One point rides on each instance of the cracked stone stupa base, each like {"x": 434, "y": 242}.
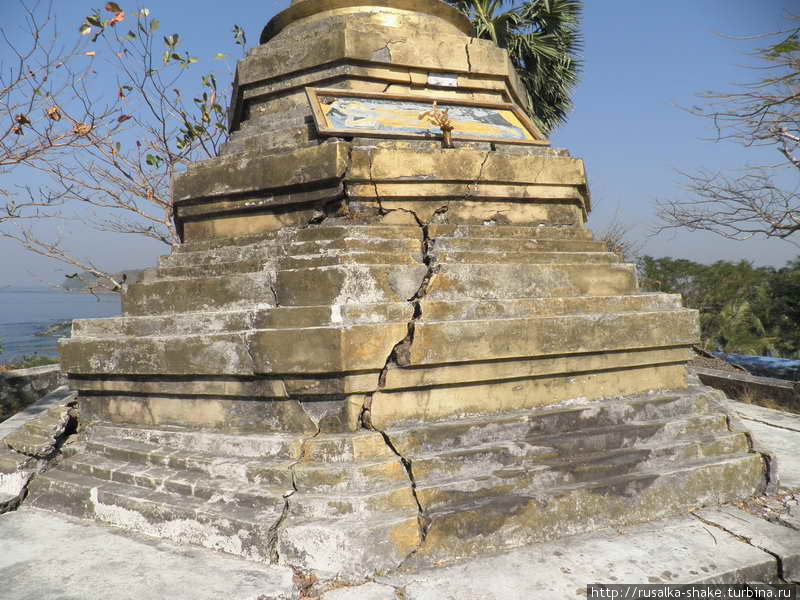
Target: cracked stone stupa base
{"x": 372, "y": 353}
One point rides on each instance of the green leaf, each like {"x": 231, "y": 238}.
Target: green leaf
{"x": 131, "y": 35}
{"x": 220, "y": 56}
{"x": 145, "y": 12}
{"x": 154, "y": 25}
{"x": 193, "y": 59}
{"x": 94, "y": 20}
{"x": 85, "y": 29}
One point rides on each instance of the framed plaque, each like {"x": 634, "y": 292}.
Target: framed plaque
{"x": 344, "y": 113}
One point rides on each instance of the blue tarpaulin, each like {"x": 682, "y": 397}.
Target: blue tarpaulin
{"x": 765, "y": 366}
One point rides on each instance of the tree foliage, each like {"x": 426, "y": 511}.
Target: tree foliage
{"x": 543, "y": 39}
{"x": 760, "y": 199}
{"x": 743, "y": 309}
{"x": 106, "y": 151}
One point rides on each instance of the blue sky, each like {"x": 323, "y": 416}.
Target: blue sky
{"x": 643, "y": 60}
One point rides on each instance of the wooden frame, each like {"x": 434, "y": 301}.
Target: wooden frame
{"x": 418, "y": 103}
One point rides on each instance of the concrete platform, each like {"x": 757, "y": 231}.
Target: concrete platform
{"x": 45, "y": 556}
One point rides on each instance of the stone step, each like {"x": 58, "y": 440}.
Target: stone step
{"x": 321, "y": 448}
{"x": 195, "y": 323}
{"x": 352, "y": 232}
{"x": 277, "y": 446}
{"x": 631, "y": 434}
{"x": 272, "y": 252}
{"x": 328, "y": 232}
{"x": 351, "y": 545}
{"x": 217, "y": 525}
{"x": 220, "y": 488}
{"x": 242, "y": 470}
{"x": 510, "y": 308}
{"x": 506, "y": 257}
{"x": 207, "y": 270}
{"x": 480, "y": 525}
{"x": 553, "y": 451}
{"x": 500, "y": 281}
{"x": 350, "y": 258}
{"x": 615, "y": 339}
{"x": 543, "y": 424}
{"x": 241, "y": 320}
{"x": 218, "y": 269}
{"x": 200, "y": 294}
{"x": 540, "y": 232}
{"x": 436, "y": 490}
{"x": 313, "y": 233}
{"x": 475, "y": 244}
{"x": 355, "y": 490}
{"x": 447, "y": 342}
{"x": 362, "y": 475}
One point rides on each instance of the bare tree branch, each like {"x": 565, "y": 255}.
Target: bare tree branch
{"x": 106, "y": 152}
{"x": 765, "y": 113}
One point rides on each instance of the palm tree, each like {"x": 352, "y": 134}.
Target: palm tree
{"x": 740, "y": 330}
{"x": 543, "y": 39}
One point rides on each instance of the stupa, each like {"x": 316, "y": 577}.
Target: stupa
{"x": 374, "y": 351}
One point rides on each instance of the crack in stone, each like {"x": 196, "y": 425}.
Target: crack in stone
{"x": 274, "y": 530}
{"x": 744, "y": 418}
{"x": 469, "y": 58}
{"x": 399, "y": 355}
{"x": 381, "y": 210}
{"x": 274, "y": 291}
{"x": 388, "y": 47}
{"x": 480, "y": 173}
{"x": 35, "y": 465}
{"x": 746, "y": 540}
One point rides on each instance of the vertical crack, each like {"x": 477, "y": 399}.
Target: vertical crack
{"x": 480, "y": 172}
{"x": 275, "y": 529}
{"x": 399, "y": 355}
{"x": 469, "y": 58}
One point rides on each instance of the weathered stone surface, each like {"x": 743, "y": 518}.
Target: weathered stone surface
{"x": 31, "y": 442}
{"x": 392, "y": 408}
{"x": 373, "y": 353}
{"x": 782, "y": 542}
{"x": 678, "y": 550}
{"x": 368, "y": 591}
{"x": 57, "y": 557}
{"x": 228, "y": 176}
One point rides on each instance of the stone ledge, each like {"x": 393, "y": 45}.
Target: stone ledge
{"x": 22, "y": 387}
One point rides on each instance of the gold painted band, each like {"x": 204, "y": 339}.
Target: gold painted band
{"x": 308, "y": 8}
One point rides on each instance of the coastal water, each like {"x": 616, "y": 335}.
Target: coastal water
{"x": 24, "y": 312}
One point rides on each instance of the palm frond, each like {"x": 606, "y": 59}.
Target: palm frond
{"x": 543, "y": 39}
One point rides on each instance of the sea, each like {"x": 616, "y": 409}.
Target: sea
{"x": 26, "y": 311}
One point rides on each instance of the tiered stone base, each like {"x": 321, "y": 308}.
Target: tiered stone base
{"x": 355, "y": 504}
